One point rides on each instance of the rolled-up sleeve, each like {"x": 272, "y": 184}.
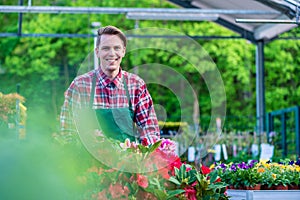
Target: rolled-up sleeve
{"x": 145, "y": 116}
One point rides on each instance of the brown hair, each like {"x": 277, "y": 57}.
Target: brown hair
{"x": 111, "y": 30}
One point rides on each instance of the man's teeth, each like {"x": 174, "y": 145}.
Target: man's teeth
{"x": 112, "y": 59}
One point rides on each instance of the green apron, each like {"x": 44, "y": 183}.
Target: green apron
{"x": 115, "y": 123}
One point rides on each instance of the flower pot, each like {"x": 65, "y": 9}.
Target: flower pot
{"x": 256, "y": 187}
{"x": 281, "y": 187}
{"x": 293, "y": 187}
{"x": 265, "y": 187}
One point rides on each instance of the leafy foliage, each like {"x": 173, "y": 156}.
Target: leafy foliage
{"x": 46, "y": 66}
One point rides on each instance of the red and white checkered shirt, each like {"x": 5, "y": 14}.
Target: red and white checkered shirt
{"x": 111, "y": 94}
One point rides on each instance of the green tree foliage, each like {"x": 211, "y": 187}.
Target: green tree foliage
{"x": 46, "y": 66}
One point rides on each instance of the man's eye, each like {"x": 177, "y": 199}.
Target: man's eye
{"x": 105, "y": 48}
{"x": 117, "y": 48}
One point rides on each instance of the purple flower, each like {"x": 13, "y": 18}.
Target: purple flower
{"x": 272, "y": 134}
{"x": 291, "y": 162}
{"x": 254, "y": 161}
{"x": 233, "y": 167}
{"x": 251, "y": 164}
{"x": 242, "y": 165}
{"x": 223, "y": 166}
{"x": 298, "y": 162}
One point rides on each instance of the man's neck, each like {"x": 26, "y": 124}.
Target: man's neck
{"x": 111, "y": 75}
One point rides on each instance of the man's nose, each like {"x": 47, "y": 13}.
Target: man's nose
{"x": 111, "y": 51}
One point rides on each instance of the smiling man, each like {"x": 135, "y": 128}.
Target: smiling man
{"x": 120, "y": 99}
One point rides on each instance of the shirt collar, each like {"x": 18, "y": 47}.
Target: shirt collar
{"x": 103, "y": 79}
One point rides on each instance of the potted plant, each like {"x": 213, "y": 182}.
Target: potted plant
{"x": 172, "y": 180}
{"x": 240, "y": 175}
{"x": 203, "y": 184}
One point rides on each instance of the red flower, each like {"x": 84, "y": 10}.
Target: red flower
{"x": 145, "y": 142}
{"x": 142, "y": 181}
{"x": 218, "y": 180}
{"x": 205, "y": 170}
{"x": 174, "y": 162}
{"x": 190, "y": 193}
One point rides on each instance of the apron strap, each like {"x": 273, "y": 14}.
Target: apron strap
{"x": 93, "y": 90}
{"x": 127, "y": 94}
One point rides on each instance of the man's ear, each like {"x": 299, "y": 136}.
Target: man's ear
{"x": 97, "y": 52}
{"x": 124, "y": 51}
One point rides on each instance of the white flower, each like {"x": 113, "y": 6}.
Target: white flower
{"x": 126, "y": 144}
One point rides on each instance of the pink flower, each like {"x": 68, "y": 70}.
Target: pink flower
{"x": 118, "y": 191}
{"x": 102, "y": 195}
{"x": 145, "y": 195}
{"x": 190, "y": 193}
{"x": 164, "y": 172}
{"x": 142, "y": 181}
{"x": 168, "y": 147}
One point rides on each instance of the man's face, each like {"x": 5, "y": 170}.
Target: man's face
{"x": 111, "y": 50}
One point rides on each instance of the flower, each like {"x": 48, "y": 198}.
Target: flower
{"x": 142, "y": 181}
{"x": 266, "y": 173}
{"x": 168, "y": 178}
{"x": 205, "y": 170}
{"x": 118, "y": 191}
{"x": 190, "y": 183}
{"x": 190, "y": 193}
{"x": 240, "y": 175}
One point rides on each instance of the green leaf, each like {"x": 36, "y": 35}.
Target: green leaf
{"x": 160, "y": 194}
{"x": 143, "y": 149}
{"x": 173, "y": 193}
{"x": 174, "y": 180}
{"x": 155, "y": 146}
{"x": 213, "y": 176}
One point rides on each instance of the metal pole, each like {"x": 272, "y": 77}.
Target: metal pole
{"x": 260, "y": 89}
{"x": 95, "y": 26}
{"x": 283, "y": 134}
{"x": 111, "y": 10}
{"x": 20, "y": 20}
{"x": 17, "y": 117}
{"x": 297, "y": 130}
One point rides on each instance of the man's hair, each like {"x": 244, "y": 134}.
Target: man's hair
{"x": 111, "y": 30}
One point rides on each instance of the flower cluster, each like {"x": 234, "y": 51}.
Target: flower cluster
{"x": 192, "y": 184}
{"x": 267, "y": 174}
{"x": 8, "y": 109}
{"x": 158, "y": 174}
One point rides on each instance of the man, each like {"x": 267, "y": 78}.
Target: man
{"x": 119, "y": 98}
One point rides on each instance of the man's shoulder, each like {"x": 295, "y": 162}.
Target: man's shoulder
{"x": 133, "y": 78}
{"x": 84, "y": 77}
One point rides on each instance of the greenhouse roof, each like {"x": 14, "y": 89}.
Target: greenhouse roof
{"x": 276, "y": 17}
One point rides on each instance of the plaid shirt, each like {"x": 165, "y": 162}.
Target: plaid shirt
{"x": 111, "y": 94}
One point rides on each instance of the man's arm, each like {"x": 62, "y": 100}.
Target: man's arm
{"x": 67, "y": 125}
{"x": 146, "y": 118}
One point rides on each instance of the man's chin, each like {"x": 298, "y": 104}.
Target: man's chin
{"x": 113, "y": 68}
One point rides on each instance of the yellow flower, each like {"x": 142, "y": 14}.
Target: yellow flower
{"x": 211, "y": 151}
{"x": 260, "y": 170}
{"x": 274, "y": 176}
